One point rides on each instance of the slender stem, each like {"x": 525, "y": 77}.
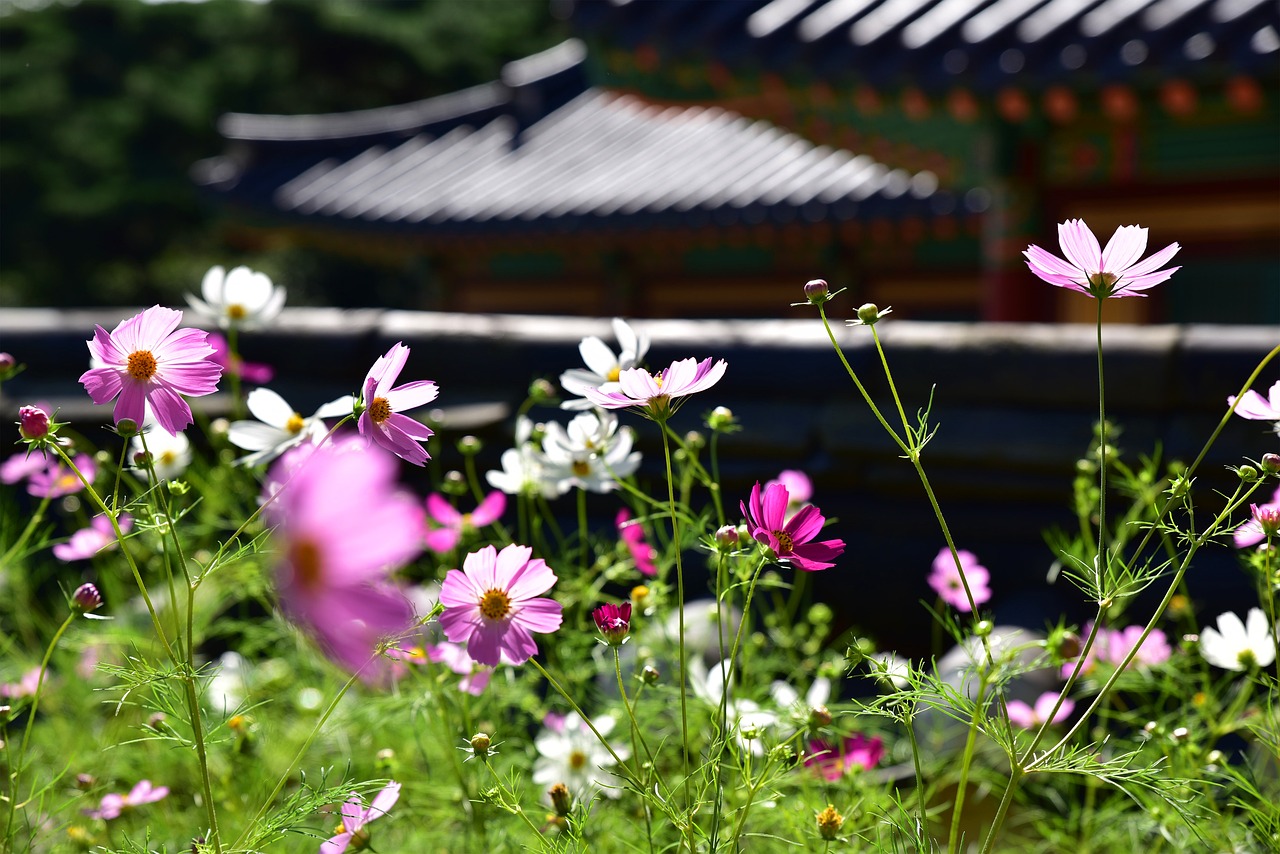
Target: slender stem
{"x": 583, "y": 550}
{"x": 714, "y": 455}
{"x": 857, "y": 382}
{"x": 923, "y": 821}
{"x": 1102, "y": 562}
{"x": 684, "y": 699}
{"x": 966, "y": 762}
{"x": 635, "y": 742}
{"x": 36, "y": 518}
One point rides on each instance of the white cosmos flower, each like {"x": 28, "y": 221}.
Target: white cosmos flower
{"x": 524, "y": 468}
{"x": 603, "y": 365}
{"x": 570, "y": 753}
{"x": 1235, "y": 645}
{"x": 169, "y": 454}
{"x": 593, "y": 454}
{"x": 747, "y": 720}
{"x": 242, "y": 298}
{"x": 279, "y": 427}
{"x": 788, "y": 697}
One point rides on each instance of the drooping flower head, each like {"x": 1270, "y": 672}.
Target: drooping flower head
{"x": 643, "y": 555}
{"x": 945, "y": 579}
{"x": 1111, "y": 272}
{"x": 113, "y": 805}
{"x": 242, "y": 298}
{"x": 1264, "y": 522}
{"x": 1239, "y": 645}
{"x": 570, "y": 753}
{"x": 355, "y": 816}
{"x": 383, "y": 419}
{"x": 87, "y": 542}
{"x": 343, "y": 526}
{"x": 603, "y": 366}
{"x": 1027, "y": 717}
{"x": 450, "y": 523}
{"x": 657, "y": 396}
{"x": 790, "y": 540}
{"x": 494, "y": 604}
{"x": 855, "y": 752}
{"x": 150, "y": 363}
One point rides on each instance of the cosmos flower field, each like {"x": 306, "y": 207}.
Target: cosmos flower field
{"x": 252, "y": 634}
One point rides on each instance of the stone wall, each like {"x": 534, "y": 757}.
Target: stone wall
{"x": 1013, "y": 403}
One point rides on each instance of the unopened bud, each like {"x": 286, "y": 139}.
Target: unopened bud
{"x": 983, "y": 628}
{"x": 721, "y": 418}
{"x": 1247, "y": 473}
{"x": 480, "y": 743}
{"x": 695, "y": 440}
{"x": 33, "y": 422}
{"x": 157, "y": 721}
{"x": 87, "y": 598}
{"x": 817, "y": 291}
{"x": 454, "y": 483}
{"x": 541, "y": 391}
{"x": 819, "y": 716}
{"x": 727, "y": 538}
{"x": 650, "y": 675}
{"x": 561, "y": 800}
{"x": 7, "y": 363}
{"x": 869, "y": 314}
{"x": 84, "y": 782}
{"x": 127, "y": 428}
{"x": 469, "y": 446}
{"x": 1271, "y": 463}
{"x": 829, "y": 822}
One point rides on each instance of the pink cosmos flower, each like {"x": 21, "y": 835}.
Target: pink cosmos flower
{"x": 614, "y": 622}
{"x": 945, "y": 579}
{"x": 475, "y": 676}
{"x": 87, "y": 542}
{"x": 854, "y": 752}
{"x": 113, "y": 805}
{"x": 492, "y": 605}
{"x": 26, "y": 686}
{"x": 656, "y": 394}
{"x": 22, "y": 465}
{"x": 382, "y": 421}
{"x": 1027, "y": 717}
{"x": 344, "y": 526}
{"x": 250, "y": 372}
{"x": 1264, "y": 520}
{"x": 643, "y": 555}
{"x": 790, "y": 540}
{"x": 1112, "y": 645}
{"x": 452, "y": 523}
{"x": 150, "y": 362}
{"x": 1255, "y": 407}
{"x": 355, "y": 816}
{"x": 57, "y": 479}
{"x": 1111, "y": 272}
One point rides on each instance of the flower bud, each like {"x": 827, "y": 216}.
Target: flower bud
{"x": 614, "y": 622}
{"x": 141, "y": 458}
{"x": 650, "y": 675}
{"x": 983, "y": 628}
{"x": 542, "y": 391}
{"x": 87, "y": 598}
{"x": 869, "y": 314}
{"x": 829, "y": 822}
{"x": 721, "y": 419}
{"x": 454, "y": 483}
{"x": 158, "y": 721}
{"x": 7, "y": 363}
{"x": 819, "y": 716}
{"x": 727, "y": 538}
{"x": 469, "y": 446}
{"x": 1247, "y": 473}
{"x": 817, "y": 291}
{"x": 561, "y": 800}
{"x": 33, "y": 422}
{"x": 126, "y": 428}
{"x": 1271, "y": 463}
{"x": 480, "y": 743}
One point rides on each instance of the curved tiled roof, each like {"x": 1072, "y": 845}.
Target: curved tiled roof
{"x": 942, "y": 43}
{"x": 540, "y": 148}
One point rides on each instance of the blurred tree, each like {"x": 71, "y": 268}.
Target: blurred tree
{"x": 105, "y": 104}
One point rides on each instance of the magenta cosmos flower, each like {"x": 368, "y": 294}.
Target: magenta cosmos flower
{"x": 1111, "y": 272}
{"x": 355, "y": 815}
{"x": 452, "y": 523}
{"x": 945, "y": 579}
{"x": 1264, "y": 522}
{"x": 854, "y": 752}
{"x": 113, "y": 805}
{"x": 382, "y": 420}
{"x": 643, "y": 555}
{"x": 1026, "y": 717}
{"x": 343, "y": 526}
{"x": 613, "y": 621}
{"x": 790, "y": 540}
{"x": 656, "y": 394}
{"x": 149, "y": 361}
{"x": 492, "y": 605}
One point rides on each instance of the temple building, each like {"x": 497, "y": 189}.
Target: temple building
{"x": 706, "y": 157}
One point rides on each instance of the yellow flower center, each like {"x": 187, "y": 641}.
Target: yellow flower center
{"x": 304, "y": 556}
{"x": 236, "y": 311}
{"x": 785, "y": 542}
{"x": 168, "y": 458}
{"x": 379, "y": 410}
{"x": 577, "y": 760}
{"x": 581, "y": 468}
{"x": 613, "y": 374}
{"x": 142, "y": 365}
{"x": 295, "y": 424}
{"x": 495, "y": 604}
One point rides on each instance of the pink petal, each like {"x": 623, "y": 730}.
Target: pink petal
{"x": 1042, "y": 262}
{"x": 677, "y": 378}
{"x": 441, "y": 540}
{"x": 460, "y": 589}
{"x": 489, "y": 510}
{"x": 391, "y": 368}
{"x": 336, "y": 845}
{"x": 1124, "y": 248}
{"x": 540, "y": 615}
{"x": 170, "y": 410}
{"x": 459, "y": 623}
{"x": 353, "y": 813}
{"x": 487, "y": 641}
{"x": 636, "y": 384}
{"x": 518, "y": 644}
{"x": 133, "y": 403}
{"x": 147, "y": 330}
{"x": 104, "y": 348}
{"x": 1080, "y": 246}
{"x": 384, "y": 801}
{"x": 412, "y": 395}
{"x": 774, "y": 507}
{"x": 806, "y": 524}
{"x": 481, "y": 568}
{"x": 533, "y": 579}
{"x": 1145, "y": 267}
{"x": 442, "y": 511}
{"x": 510, "y": 563}
{"x": 102, "y": 384}
{"x": 812, "y": 557}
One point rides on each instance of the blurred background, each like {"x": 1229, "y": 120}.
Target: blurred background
{"x": 646, "y": 158}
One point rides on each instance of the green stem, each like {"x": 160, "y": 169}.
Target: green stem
{"x": 635, "y": 743}
{"x": 922, "y": 826}
{"x": 966, "y": 762}
{"x": 684, "y": 698}
{"x": 583, "y": 545}
{"x": 36, "y": 518}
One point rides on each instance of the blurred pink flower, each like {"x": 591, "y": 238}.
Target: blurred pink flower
{"x": 643, "y": 555}
{"x": 1112, "y": 645}
{"x": 475, "y": 676}
{"x": 355, "y": 816}
{"x": 1263, "y": 518}
{"x": 1022, "y": 715}
{"x": 26, "y": 685}
{"x": 22, "y": 465}
{"x": 790, "y": 540}
{"x": 149, "y": 362}
{"x": 1111, "y": 272}
{"x": 654, "y": 394}
{"x": 945, "y": 579}
{"x": 452, "y": 523}
{"x": 799, "y": 488}
{"x": 250, "y": 372}
{"x": 57, "y": 479}
{"x": 113, "y": 805}
{"x": 1255, "y": 407}
{"x": 344, "y": 526}
{"x": 492, "y": 605}
{"x": 382, "y": 420}
{"x": 88, "y": 541}
{"x": 854, "y": 752}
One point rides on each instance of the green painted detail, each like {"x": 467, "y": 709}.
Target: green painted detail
{"x": 527, "y": 264}
{"x": 726, "y": 259}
